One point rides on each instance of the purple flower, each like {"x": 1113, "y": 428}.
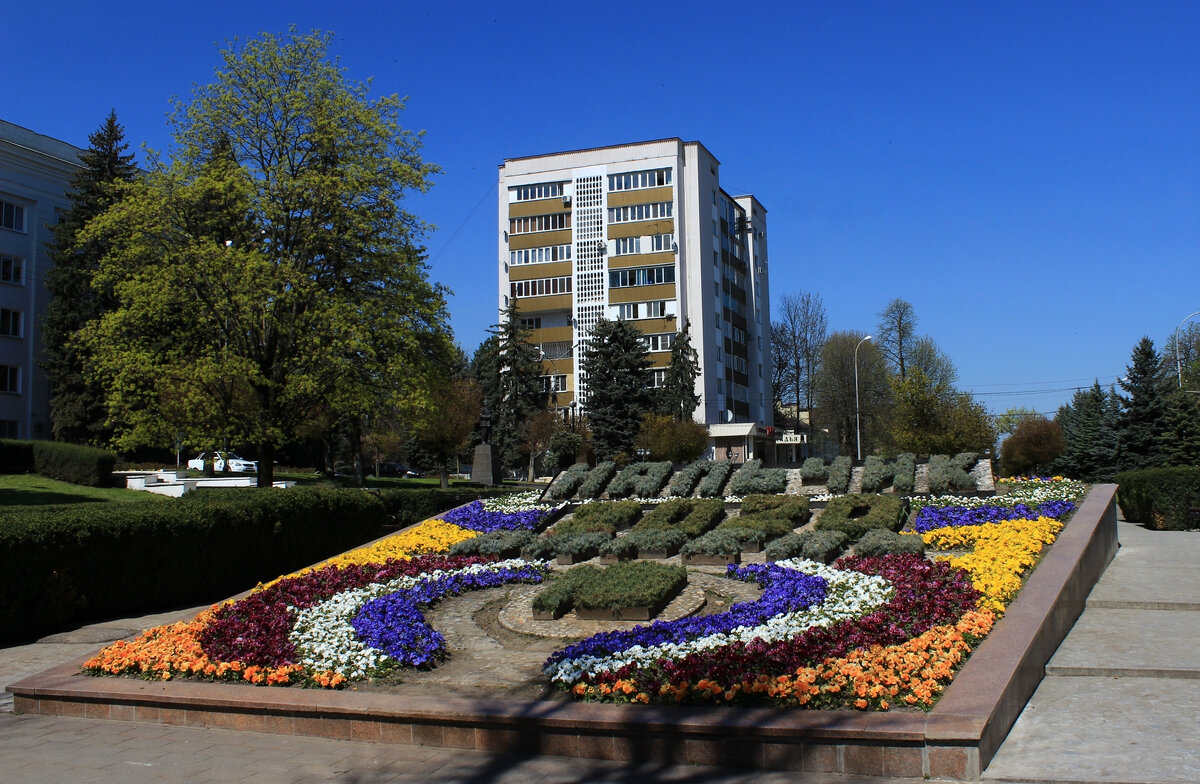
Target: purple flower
{"x": 474, "y": 517}
{"x": 931, "y": 517}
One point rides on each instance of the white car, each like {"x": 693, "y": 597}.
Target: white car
{"x": 224, "y": 461}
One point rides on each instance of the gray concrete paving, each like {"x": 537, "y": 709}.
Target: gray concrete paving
{"x": 1120, "y": 702}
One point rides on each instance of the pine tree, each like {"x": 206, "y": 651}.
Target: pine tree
{"x": 615, "y": 365}
{"x": 1089, "y": 426}
{"x": 78, "y": 409}
{"x": 518, "y": 395}
{"x": 1144, "y": 409}
{"x": 1180, "y": 437}
{"x": 677, "y": 397}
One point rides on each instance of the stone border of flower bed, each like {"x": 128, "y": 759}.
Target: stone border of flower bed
{"x": 954, "y": 740}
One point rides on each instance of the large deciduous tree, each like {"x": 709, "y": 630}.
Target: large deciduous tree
{"x": 78, "y": 408}
{"x": 797, "y": 337}
{"x": 931, "y": 417}
{"x": 897, "y": 322}
{"x": 267, "y": 271}
{"x": 1031, "y": 449}
{"x": 616, "y": 368}
{"x": 835, "y": 391}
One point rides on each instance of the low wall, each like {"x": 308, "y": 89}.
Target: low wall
{"x": 955, "y": 740}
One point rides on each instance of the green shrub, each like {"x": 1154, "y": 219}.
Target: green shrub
{"x": 947, "y": 476}
{"x": 1160, "y": 498}
{"x": 655, "y": 539}
{"x": 683, "y": 484}
{"x": 574, "y": 543}
{"x": 793, "y": 507}
{"x": 854, "y": 515}
{"x": 904, "y": 473}
{"x": 610, "y": 516}
{"x": 631, "y": 584}
{"x": 639, "y": 480}
{"x": 412, "y": 505}
{"x": 720, "y": 541}
{"x": 839, "y": 474}
{"x": 558, "y": 597}
{"x": 493, "y": 543}
{"x": 598, "y": 479}
{"x": 876, "y": 474}
{"x": 567, "y": 484}
{"x": 753, "y": 478}
{"x": 823, "y": 546}
{"x": 16, "y": 457}
{"x": 771, "y": 524}
{"x": 879, "y": 541}
{"x": 965, "y": 460}
{"x": 691, "y": 516}
{"x": 619, "y": 547}
{"x": 715, "y": 478}
{"x": 814, "y": 470}
{"x": 70, "y": 563}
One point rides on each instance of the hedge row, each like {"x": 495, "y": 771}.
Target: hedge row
{"x": 1160, "y": 498}
{"x": 60, "y": 564}
{"x": 854, "y": 515}
{"x": 79, "y": 465}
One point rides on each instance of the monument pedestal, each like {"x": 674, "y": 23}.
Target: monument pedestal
{"x": 485, "y": 469}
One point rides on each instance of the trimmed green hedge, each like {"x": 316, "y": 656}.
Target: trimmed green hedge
{"x": 691, "y": 516}
{"x": 411, "y": 506}
{"x": 496, "y": 543}
{"x": 793, "y": 507}
{"x": 1159, "y": 498}
{"x": 876, "y": 474}
{"x": 630, "y": 584}
{"x": 814, "y": 470}
{"x": 639, "y": 480}
{"x": 608, "y": 516}
{"x": 823, "y": 546}
{"x": 60, "y": 564}
{"x": 559, "y": 596}
{"x": 567, "y": 484}
{"x": 753, "y": 478}
{"x": 904, "y": 473}
{"x": 597, "y": 479}
{"x": 854, "y": 515}
{"x": 880, "y": 541}
{"x": 79, "y": 465}
{"x": 839, "y": 474}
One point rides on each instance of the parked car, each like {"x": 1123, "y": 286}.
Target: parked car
{"x": 224, "y": 461}
{"x": 399, "y": 469}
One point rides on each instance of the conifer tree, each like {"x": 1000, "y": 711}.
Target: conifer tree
{"x": 1180, "y": 437}
{"x": 1144, "y": 408}
{"x": 77, "y": 404}
{"x": 615, "y": 365}
{"x": 1089, "y": 426}
{"x": 517, "y": 395}
{"x": 677, "y": 397}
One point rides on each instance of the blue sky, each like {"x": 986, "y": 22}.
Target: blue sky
{"x": 1026, "y": 174}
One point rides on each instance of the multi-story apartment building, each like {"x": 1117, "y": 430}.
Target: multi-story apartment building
{"x": 35, "y": 173}
{"x": 643, "y": 232}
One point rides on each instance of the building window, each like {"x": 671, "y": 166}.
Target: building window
{"x": 660, "y": 342}
{"x": 640, "y": 212}
{"x": 10, "y": 322}
{"x": 540, "y": 255}
{"x": 8, "y": 428}
{"x": 642, "y": 310}
{"x": 661, "y": 242}
{"x": 11, "y": 269}
{"x": 545, "y": 190}
{"x": 10, "y": 379}
{"x": 630, "y": 181}
{"x": 535, "y": 223}
{"x": 559, "y": 349}
{"x": 641, "y": 276}
{"x": 12, "y": 216}
{"x": 530, "y": 323}
{"x": 541, "y": 287}
{"x": 554, "y": 383}
{"x": 627, "y": 245}
{"x": 658, "y": 378}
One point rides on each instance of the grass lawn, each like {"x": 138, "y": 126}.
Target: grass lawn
{"x": 36, "y": 490}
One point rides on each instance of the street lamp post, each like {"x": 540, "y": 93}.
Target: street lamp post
{"x": 1178, "y": 360}
{"x": 857, "y": 412}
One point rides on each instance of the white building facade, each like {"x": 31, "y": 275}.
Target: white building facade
{"x": 35, "y": 173}
{"x": 645, "y": 233}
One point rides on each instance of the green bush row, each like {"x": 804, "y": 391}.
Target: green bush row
{"x": 904, "y": 473}
{"x": 608, "y": 516}
{"x": 877, "y": 474}
{"x": 753, "y": 478}
{"x": 597, "y": 479}
{"x": 1160, "y": 498}
{"x": 880, "y": 541}
{"x": 713, "y": 483}
{"x": 639, "y": 480}
{"x": 60, "y": 564}
{"x": 498, "y": 543}
{"x": 690, "y": 516}
{"x": 854, "y": 515}
{"x": 571, "y": 543}
{"x": 839, "y": 474}
{"x": 568, "y": 484}
{"x": 559, "y": 596}
{"x": 814, "y": 470}
{"x": 721, "y": 541}
{"x": 823, "y": 546}
{"x": 947, "y": 476}
{"x": 631, "y": 584}
{"x": 79, "y": 465}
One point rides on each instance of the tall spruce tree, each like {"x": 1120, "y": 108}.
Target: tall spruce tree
{"x": 517, "y": 395}
{"x": 677, "y": 397}
{"x": 1179, "y": 441}
{"x": 78, "y": 410}
{"x": 1089, "y": 425}
{"x": 616, "y": 367}
{"x": 1144, "y": 409}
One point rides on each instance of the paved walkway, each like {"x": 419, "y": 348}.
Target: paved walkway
{"x": 1120, "y": 705}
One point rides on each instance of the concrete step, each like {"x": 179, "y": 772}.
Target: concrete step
{"x": 1130, "y": 643}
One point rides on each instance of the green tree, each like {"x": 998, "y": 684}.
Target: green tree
{"x": 678, "y": 397}
{"x": 895, "y": 334}
{"x": 1089, "y": 426}
{"x": 835, "y": 391}
{"x": 933, "y": 418}
{"x": 666, "y": 438}
{"x": 514, "y": 394}
{"x": 1181, "y": 356}
{"x": 932, "y": 361}
{"x": 267, "y": 272}
{"x": 1144, "y": 409}
{"x": 78, "y": 408}
{"x": 615, "y": 365}
{"x": 1179, "y": 441}
{"x": 1008, "y": 422}
{"x": 1032, "y": 447}
{"x": 444, "y": 426}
